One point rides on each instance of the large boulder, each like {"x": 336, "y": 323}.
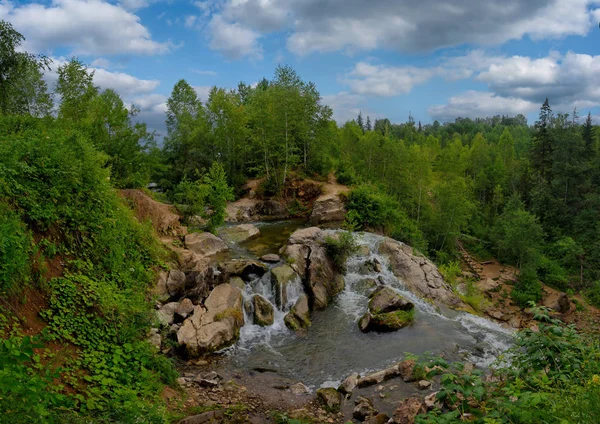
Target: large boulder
{"x": 216, "y": 324}
{"x": 243, "y": 268}
{"x": 306, "y": 251}
{"x": 385, "y": 299}
{"x": 328, "y": 208}
{"x": 330, "y": 398}
{"x": 282, "y": 276}
{"x": 263, "y": 311}
{"x": 205, "y": 244}
{"x": 299, "y": 316}
{"x": 240, "y": 233}
{"x": 388, "y": 311}
{"x": 166, "y": 314}
{"x": 419, "y": 274}
{"x": 558, "y": 302}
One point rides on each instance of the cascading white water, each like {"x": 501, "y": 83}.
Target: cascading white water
{"x": 334, "y": 347}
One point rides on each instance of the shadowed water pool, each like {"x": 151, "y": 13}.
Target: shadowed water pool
{"x": 334, "y": 347}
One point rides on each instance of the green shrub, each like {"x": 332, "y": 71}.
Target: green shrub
{"x": 593, "y": 294}
{"x": 370, "y": 209}
{"x": 552, "y": 273}
{"x": 339, "y": 248}
{"x": 15, "y": 247}
{"x": 450, "y": 271}
{"x": 528, "y": 288}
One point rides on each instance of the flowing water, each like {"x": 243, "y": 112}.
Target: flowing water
{"x": 334, "y": 347}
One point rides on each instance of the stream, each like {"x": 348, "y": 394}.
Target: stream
{"x": 334, "y": 347}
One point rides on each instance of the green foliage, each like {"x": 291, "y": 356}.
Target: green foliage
{"x": 339, "y": 248}
{"x": 206, "y": 197}
{"x": 191, "y": 198}
{"x": 593, "y": 294}
{"x": 370, "y": 209}
{"x": 552, "y": 376}
{"x": 527, "y": 288}
{"x": 15, "y": 248}
{"x": 450, "y": 271}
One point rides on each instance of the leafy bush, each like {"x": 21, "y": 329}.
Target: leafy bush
{"x": 593, "y": 294}
{"x": 339, "y": 248}
{"x": 552, "y": 273}
{"x": 370, "y": 209}
{"x": 528, "y": 288}
{"x": 450, "y": 271}
{"x": 553, "y": 376}
{"x": 15, "y": 245}
{"x": 206, "y": 197}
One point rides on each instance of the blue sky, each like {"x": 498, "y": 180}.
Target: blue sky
{"x": 434, "y": 59}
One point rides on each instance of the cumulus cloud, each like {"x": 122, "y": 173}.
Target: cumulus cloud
{"x": 233, "y": 39}
{"x": 477, "y": 104}
{"x": 203, "y": 91}
{"x": 386, "y": 81}
{"x": 332, "y": 25}
{"x": 88, "y": 27}
{"x": 345, "y": 105}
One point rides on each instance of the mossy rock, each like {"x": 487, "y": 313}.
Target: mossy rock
{"x": 391, "y": 321}
{"x": 330, "y": 398}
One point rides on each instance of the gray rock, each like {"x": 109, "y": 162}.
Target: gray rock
{"x": 387, "y": 299}
{"x": 185, "y": 308}
{"x": 419, "y": 274}
{"x": 165, "y": 314}
{"x": 240, "y": 233}
{"x": 216, "y": 324}
{"x": 281, "y": 277}
{"x": 175, "y": 282}
{"x": 237, "y": 282}
{"x": 349, "y": 384}
{"x": 423, "y": 384}
{"x": 299, "y": 316}
{"x": 379, "y": 376}
{"x": 271, "y": 258}
{"x": 328, "y": 208}
{"x": 243, "y": 268}
{"x": 263, "y": 311}
{"x": 160, "y": 289}
{"x": 299, "y": 389}
{"x": 330, "y": 398}
{"x": 558, "y": 302}
{"x": 205, "y": 244}
{"x": 363, "y": 409}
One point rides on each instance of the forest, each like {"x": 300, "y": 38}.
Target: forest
{"x": 525, "y": 193}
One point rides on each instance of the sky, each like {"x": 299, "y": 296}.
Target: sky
{"x": 432, "y": 59}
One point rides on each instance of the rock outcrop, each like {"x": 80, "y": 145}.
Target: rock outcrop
{"x": 263, "y": 311}
{"x": 388, "y": 311}
{"x": 215, "y": 325}
{"x": 328, "y": 208}
{"x": 558, "y": 302}
{"x": 306, "y": 251}
{"x": 408, "y": 410}
{"x": 243, "y": 268}
{"x": 419, "y": 274}
{"x": 205, "y": 244}
{"x": 299, "y": 316}
{"x": 281, "y": 277}
{"x": 330, "y": 398}
{"x": 240, "y": 233}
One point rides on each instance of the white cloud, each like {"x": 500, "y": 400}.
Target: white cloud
{"x": 205, "y": 72}
{"x": 386, "y": 81}
{"x": 101, "y": 63}
{"x": 332, "y": 25}
{"x": 232, "y": 39}
{"x": 477, "y": 104}
{"x": 88, "y": 27}
{"x": 203, "y": 91}
{"x": 190, "y": 21}
{"x": 345, "y": 105}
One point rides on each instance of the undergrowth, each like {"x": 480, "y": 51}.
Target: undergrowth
{"x": 54, "y": 184}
